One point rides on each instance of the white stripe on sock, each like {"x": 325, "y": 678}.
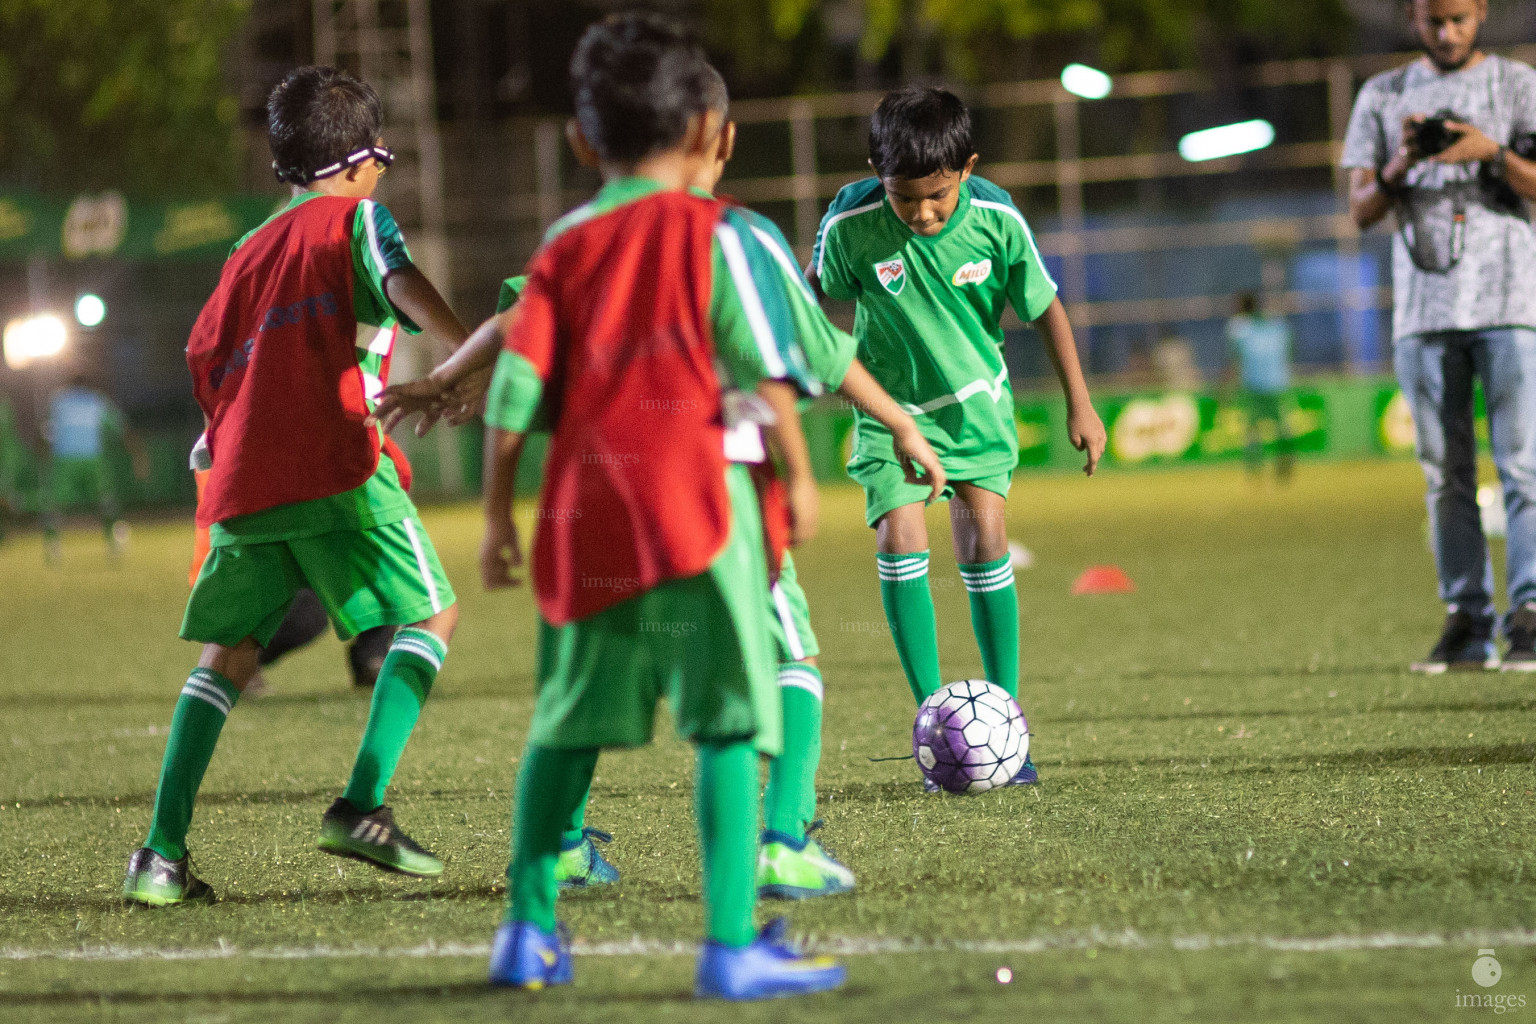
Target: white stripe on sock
{"x": 802, "y": 680}
{"x": 208, "y": 692}
{"x": 897, "y": 576}
{"x": 412, "y": 644}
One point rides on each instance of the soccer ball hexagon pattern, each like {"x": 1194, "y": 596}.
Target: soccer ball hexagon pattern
{"x": 970, "y": 737}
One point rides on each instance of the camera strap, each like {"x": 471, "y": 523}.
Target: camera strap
{"x": 1411, "y": 237}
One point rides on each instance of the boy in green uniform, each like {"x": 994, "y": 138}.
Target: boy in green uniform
{"x": 791, "y": 864}
{"x": 647, "y": 335}
{"x": 287, "y": 359}
{"x": 931, "y": 254}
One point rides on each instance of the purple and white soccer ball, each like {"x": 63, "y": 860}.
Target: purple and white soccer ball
{"x": 970, "y": 737}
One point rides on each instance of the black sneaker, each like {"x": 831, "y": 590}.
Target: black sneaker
{"x": 155, "y": 881}
{"x": 375, "y": 838}
{"x": 1520, "y": 631}
{"x": 1465, "y": 645}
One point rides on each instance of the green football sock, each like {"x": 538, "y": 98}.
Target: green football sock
{"x": 995, "y": 618}
{"x": 576, "y": 826}
{"x": 405, "y": 679}
{"x": 909, "y": 610}
{"x": 550, "y": 784}
{"x": 725, "y": 803}
{"x": 790, "y": 799}
{"x": 205, "y": 702}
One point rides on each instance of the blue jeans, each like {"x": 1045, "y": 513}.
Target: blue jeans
{"x": 1436, "y": 371}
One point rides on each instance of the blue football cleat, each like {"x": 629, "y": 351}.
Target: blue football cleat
{"x": 581, "y": 865}
{"x": 767, "y": 969}
{"x": 525, "y": 957}
{"x": 1028, "y": 774}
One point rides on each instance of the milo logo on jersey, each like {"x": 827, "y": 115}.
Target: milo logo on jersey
{"x": 972, "y": 273}
{"x": 892, "y": 274}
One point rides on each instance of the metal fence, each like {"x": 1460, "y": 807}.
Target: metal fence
{"x": 1071, "y": 240}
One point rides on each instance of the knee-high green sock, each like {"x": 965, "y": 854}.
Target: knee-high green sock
{"x": 404, "y": 682}
{"x": 575, "y": 826}
{"x": 725, "y": 802}
{"x": 204, "y": 703}
{"x": 550, "y": 784}
{"x": 995, "y": 618}
{"x": 789, "y": 802}
{"x": 909, "y": 610}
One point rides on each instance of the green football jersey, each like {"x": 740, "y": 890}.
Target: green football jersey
{"x": 377, "y": 251}
{"x": 929, "y": 316}
{"x": 753, "y": 314}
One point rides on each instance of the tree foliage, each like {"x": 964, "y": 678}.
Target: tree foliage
{"x": 1122, "y": 35}
{"x": 123, "y": 94}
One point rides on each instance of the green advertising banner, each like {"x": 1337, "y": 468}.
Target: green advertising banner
{"x": 1346, "y": 418}
{"x": 110, "y": 225}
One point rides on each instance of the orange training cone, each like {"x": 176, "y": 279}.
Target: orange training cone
{"x": 1103, "y": 579}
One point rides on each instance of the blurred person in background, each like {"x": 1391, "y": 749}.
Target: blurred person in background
{"x": 10, "y": 464}
{"x": 82, "y": 423}
{"x": 1438, "y": 143}
{"x": 1261, "y": 354}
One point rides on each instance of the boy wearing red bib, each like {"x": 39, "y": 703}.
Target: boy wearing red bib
{"x": 304, "y": 490}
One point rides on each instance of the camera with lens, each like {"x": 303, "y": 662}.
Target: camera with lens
{"x": 1432, "y": 135}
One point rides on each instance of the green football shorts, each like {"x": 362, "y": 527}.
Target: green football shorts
{"x": 886, "y": 488}
{"x": 704, "y": 643}
{"x": 791, "y": 617}
{"x": 386, "y": 576}
{"x": 73, "y": 483}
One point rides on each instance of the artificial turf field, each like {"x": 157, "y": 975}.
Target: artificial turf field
{"x": 1249, "y": 809}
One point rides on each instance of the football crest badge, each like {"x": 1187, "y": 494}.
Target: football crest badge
{"x": 892, "y": 274}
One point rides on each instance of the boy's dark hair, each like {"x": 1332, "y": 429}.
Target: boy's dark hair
{"x": 918, "y": 131}
{"x": 317, "y": 117}
{"x": 1247, "y": 304}
{"x": 638, "y": 78}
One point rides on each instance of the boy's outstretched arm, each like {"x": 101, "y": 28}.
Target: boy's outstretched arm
{"x": 452, "y": 384}
{"x": 500, "y": 551}
{"x": 1084, "y": 427}
{"x": 917, "y": 456}
{"x": 415, "y": 296}
{"x": 788, "y": 441}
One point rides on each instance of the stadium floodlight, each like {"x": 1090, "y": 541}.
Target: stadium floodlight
{"x": 90, "y": 310}
{"x": 29, "y": 339}
{"x": 1089, "y": 83}
{"x": 1226, "y": 140}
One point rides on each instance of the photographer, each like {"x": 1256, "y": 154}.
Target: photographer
{"x": 1438, "y": 143}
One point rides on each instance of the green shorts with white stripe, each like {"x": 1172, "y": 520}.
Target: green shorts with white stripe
{"x": 791, "y": 617}
{"x": 384, "y": 576}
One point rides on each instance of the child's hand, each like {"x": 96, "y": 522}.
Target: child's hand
{"x": 920, "y": 462}
{"x": 425, "y": 396}
{"x": 1087, "y": 433}
{"x": 804, "y": 508}
{"x": 466, "y": 399}
{"x": 500, "y": 553}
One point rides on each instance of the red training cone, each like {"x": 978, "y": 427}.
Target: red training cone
{"x": 1103, "y": 579}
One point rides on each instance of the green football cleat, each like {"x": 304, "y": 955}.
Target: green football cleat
{"x": 797, "y": 870}
{"x": 155, "y": 881}
{"x": 375, "y": 838}
{"x": 581, "y": 866}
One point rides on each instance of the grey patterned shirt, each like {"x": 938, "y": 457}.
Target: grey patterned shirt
{"x": 1494, "y": 285}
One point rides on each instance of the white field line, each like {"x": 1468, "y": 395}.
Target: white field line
{"x": 850, "y": 945}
